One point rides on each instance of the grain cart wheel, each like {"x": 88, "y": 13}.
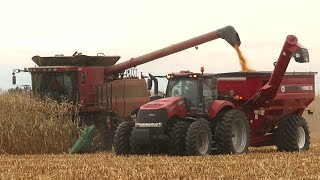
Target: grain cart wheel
{"x": 198, "y": 138}
{"x": 122, "y": 138}
{"x": 232, "y": 133}
{"x": 293, "y": 134}
{"x": 177, "y": 136}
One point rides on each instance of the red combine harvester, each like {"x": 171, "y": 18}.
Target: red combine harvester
{"x": 106, "y": 95}
{"x": 225, "y": 113}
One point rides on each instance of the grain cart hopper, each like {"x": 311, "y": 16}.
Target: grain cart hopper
{"x": 106, "y": 95}
{"x": 225, "y": 113}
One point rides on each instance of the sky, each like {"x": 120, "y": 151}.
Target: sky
{"x": 133, "y": 28}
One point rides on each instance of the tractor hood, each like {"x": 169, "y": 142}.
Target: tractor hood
{"x": 162, "y": 110}
{"x": 167, "y": 103}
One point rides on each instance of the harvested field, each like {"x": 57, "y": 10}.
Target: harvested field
{"x": 260, "y": 163}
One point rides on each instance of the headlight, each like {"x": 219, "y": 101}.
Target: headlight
{"x": 147, "y": 125}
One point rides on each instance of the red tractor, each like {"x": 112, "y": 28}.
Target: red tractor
{"x": 203, "y": 113}
{"x": 106, "y": 92}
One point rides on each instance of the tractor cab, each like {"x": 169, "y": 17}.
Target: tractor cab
{"x": 198, "y": 89}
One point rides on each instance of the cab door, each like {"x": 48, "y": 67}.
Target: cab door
{"x": 209, "y": 92}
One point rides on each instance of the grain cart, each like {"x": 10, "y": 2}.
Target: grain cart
{"x": 106, "y": 91}
{"x": 225, "y": 113}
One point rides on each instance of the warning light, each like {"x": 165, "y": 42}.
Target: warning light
{"x": 202, "y": 69}
{"x": 237, "y": 97}
{"x": 310, "y": 111}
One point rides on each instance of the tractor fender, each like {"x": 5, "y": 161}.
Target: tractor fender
{"x": 217, "y": 106}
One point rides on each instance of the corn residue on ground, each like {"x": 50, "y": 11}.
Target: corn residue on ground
{"x": 259, "y": 163}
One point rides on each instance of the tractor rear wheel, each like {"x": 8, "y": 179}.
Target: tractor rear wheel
{"x": 122, "y": 138}
{"x": 293, "y": 134}
{"x": 198, "y": 138}
{"x": 232, "y": 133}
{"x": 177, "y": 136}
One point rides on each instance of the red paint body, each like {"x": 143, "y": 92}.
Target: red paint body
{"x": 297, "y": 95}
{"x": 175, "y": 106}
{"x": 101, "y": 91}
{"x": 265, "y": 97}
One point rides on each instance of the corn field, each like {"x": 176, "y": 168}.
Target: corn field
{"x": 28, "y": 126}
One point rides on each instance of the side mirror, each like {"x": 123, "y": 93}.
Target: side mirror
{"x": 14, "y": 79}
{"x": 301, "y": 56}
{"x": 83, "y": 77}
{"x": 149, "y": 84}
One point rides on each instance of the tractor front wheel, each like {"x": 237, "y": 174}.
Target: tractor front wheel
{"x": 232, "y": 133}
{"x": 122, "y": 138}
{"x": 198, "y": 138}
{"x": 293, "y": 134}
{"x": 177, "y": 134}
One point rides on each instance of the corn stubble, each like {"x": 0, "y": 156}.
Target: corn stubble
{"x": 259, "y": 163}
{"x": 29, "y": 136}
{"x": 28, "y": 126}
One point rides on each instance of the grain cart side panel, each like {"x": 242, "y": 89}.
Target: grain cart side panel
{"x": 295, "y": 93}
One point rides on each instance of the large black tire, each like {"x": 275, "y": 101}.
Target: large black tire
{"x": 293, "y": 134}
{"x": 177, "y": 134}
{"x": 122, "y": 138}
{"x": 135, "y": 147}
{"x": 198, "y": 138}
{"x": 232, "y": 133}
{"x": 138, "y": 147}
